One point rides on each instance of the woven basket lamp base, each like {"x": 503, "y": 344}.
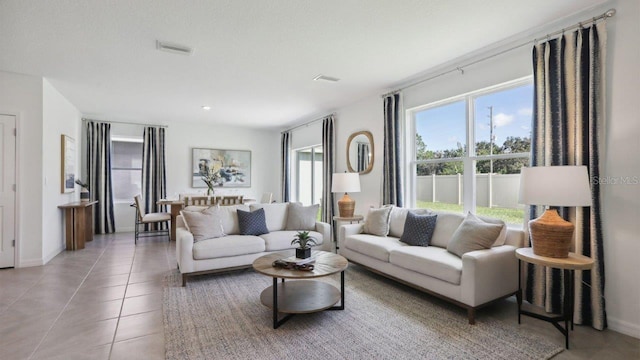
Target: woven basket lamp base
{"x": 551, "y": 235}
{"x": 346, "y": 206}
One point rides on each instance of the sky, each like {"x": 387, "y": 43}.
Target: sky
{"x": 444, "y": 127}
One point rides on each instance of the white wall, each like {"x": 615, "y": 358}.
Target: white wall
{"x": 21, "y": 95}
{"x": 364, "y": 115}
{"x": 621, "y": 203}
{"x": 59, "y": 117}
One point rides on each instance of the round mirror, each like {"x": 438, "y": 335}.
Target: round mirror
{"x": 360, "y": 152}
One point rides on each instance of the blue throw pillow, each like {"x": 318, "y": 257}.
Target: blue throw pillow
{"x": 252, "y": 223}
{"x": 418, "y": 229}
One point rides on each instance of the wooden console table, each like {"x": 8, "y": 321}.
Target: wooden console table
{"x": 78, "y": 223}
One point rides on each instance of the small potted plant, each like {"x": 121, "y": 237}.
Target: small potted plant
{"x": 84, "y": 193}
{"x": 305, "y": 241}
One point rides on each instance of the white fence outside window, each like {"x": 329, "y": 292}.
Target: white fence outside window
{"x": 448, "y": 189}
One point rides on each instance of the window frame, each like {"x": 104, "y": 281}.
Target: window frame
{"x": 470, "y": 158}
{"x": 125, "y": 139}
{"x": 313, "y": 171}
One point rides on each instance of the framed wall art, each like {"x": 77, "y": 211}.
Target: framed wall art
{"x": 68, "y": 167}
{"x": 223, "y": 168}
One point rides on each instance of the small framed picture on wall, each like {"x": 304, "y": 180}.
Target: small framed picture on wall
{"x": 68, "y": 168}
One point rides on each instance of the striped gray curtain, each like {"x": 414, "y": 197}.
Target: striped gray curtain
{"x": 567, "y": 122}
{"x": 154, "y": 177}
{"x": 328, "y": 167}
{"x": 392, "y": 175}
{"x": 285, "y": 156}
{"x": 99, "y": 175}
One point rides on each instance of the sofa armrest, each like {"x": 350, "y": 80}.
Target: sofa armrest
{"x": 488, "y": 274}
{"x": 347, "y": 230}
{"x": 184, "y": 250}
{"x": 324, "y": 229}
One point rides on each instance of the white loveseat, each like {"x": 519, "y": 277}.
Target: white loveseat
{"x": 470, "y": 281}
{"x": 235, "y": 251}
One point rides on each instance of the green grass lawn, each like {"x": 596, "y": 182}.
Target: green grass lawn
{"x": 510, "y": 216}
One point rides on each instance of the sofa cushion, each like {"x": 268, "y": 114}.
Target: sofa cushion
{"x": 280, "y": 240}
{"x": 302, "y": 217}
{"x": 203, "y": 224}
{"x": 503, "y": 233}
{"x": 377, "y": 221}
{"x": 446, "y": 225}
{"x": 276, "y": 215}
{"x": 432, "y": 261}
{"x": 252, "y": 223}
{"x": 230, "y": 245}
{"x": 372, "y": 245}
{"x": 397, "y": 219}
{"x": 473, "y": 234}
{"x": 418, "y": 229}
{"x": 229, "y": 218}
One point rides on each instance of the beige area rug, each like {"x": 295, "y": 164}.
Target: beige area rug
{"x": 221, "y": 317}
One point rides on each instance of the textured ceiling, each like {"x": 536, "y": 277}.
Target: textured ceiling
{"x": 254, "y": 60}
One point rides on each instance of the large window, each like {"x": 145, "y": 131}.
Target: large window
{"x": 126, "y": 168}
{"x": 309, "y": 175}
{"x": 468, "y": 151}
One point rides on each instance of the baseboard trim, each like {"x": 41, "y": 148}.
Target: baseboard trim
{"x": 126, "y": 229}
{"x": 53, "y": 254}
{"x": 31, "y": 262}
{"x": 624, "y": 327}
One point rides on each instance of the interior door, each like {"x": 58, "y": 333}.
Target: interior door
{"x": 7, "y": 190}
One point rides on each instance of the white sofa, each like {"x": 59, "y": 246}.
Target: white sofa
{"x": 235, "y": 251}
{"x": 471, "y": 281}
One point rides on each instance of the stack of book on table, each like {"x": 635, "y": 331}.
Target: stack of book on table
{"x": 297, "y": 261}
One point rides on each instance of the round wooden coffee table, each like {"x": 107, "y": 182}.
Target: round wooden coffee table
{"x": 304, "y": 296}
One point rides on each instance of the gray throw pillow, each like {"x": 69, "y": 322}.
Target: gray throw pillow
{"x": 205, "y": 224}
{"x": 377, "y": 221}
{"x": 473, "y": 234}
{"x": 418, "y": 229}
{"x": 252, "y": 223}
{"x": 302, "y": 217}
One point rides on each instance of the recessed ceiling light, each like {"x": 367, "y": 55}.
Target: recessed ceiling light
{"x": 325, "y": 78}
{"x": 206, "y": 108}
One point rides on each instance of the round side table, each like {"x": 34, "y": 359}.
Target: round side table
{"x": 568, "y": 265}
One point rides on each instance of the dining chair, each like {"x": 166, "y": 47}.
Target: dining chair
{"x": 231, "y": 200}
{"x": 143, "y": 219}
{"x": 198, "y": 200}
{"x": 266, "y": 198}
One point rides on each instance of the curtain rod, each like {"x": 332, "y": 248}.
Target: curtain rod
{"x": 126, "y": 123}
{"x": 607, "y": 14}
{"x": 308, "y": 123}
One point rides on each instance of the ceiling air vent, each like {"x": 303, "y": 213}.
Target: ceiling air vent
{"x": 325, "y": 78}
{"x": 173, "y": 48}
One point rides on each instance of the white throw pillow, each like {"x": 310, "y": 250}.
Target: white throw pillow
{"x": 302, "y": 217}
{"x": 276, "y": 214}
{"x": 203, "y": 224}
{"x": 503, "y": 234}
{"x": 473, "y": 234}
{"x": 377, "y": 221}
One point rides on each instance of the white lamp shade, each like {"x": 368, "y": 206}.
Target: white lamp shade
{"x": 345, "y": 182}
{"x": 555, "y": 186}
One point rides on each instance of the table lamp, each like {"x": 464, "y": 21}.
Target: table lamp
{"x": 346, "y": 183}
{"x": 551, "y": 235}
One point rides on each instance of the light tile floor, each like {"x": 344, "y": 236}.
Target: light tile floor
{"x": 105, "y": 302}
